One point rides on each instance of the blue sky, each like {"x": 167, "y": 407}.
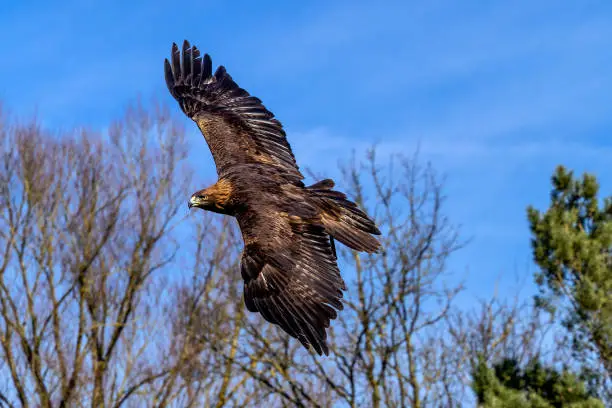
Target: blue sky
{"x": 495, "y": 93}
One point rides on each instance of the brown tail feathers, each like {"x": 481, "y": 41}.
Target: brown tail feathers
{"x": 343, "y": 220}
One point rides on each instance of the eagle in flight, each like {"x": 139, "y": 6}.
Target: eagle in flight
{"x": 289, "y": 261}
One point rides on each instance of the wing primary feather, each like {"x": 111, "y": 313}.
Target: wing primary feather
{"x": 206, "y": 67}
{"x": 187, "y": 61}
{"x": 333, "y": 246}
{"x": 196, "y": 67}
{"x": 176, "y": 64}
{"x": 169, "y": 76}
{"x": 220, "y": 72}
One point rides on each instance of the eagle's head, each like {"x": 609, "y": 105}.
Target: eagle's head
{"x": 215, "y": 198}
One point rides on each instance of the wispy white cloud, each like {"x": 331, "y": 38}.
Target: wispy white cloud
{"x": 319, "y": 144}
{"x": 483, "y": 152}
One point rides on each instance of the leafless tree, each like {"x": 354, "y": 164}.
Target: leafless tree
{"x": 499, "y": 328}
{"x": 386, "y": 349}
{"x": 85, "y": 221}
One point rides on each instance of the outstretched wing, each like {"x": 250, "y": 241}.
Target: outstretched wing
{"x": 237, "y": 126}
{"x": 291, "y": 276}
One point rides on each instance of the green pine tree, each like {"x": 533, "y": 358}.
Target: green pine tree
{"x": 572, "y": 245}
{"x": 507, "y": 385}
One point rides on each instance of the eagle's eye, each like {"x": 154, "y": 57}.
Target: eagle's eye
{"x": 203, "y": 197}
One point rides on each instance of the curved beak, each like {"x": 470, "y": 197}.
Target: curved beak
{"x": 192, "y": 202}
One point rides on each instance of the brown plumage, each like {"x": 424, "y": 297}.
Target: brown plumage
{"x": 289, "y": 260}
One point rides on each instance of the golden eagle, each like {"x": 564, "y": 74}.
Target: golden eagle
{"x": 289, "y": 262}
